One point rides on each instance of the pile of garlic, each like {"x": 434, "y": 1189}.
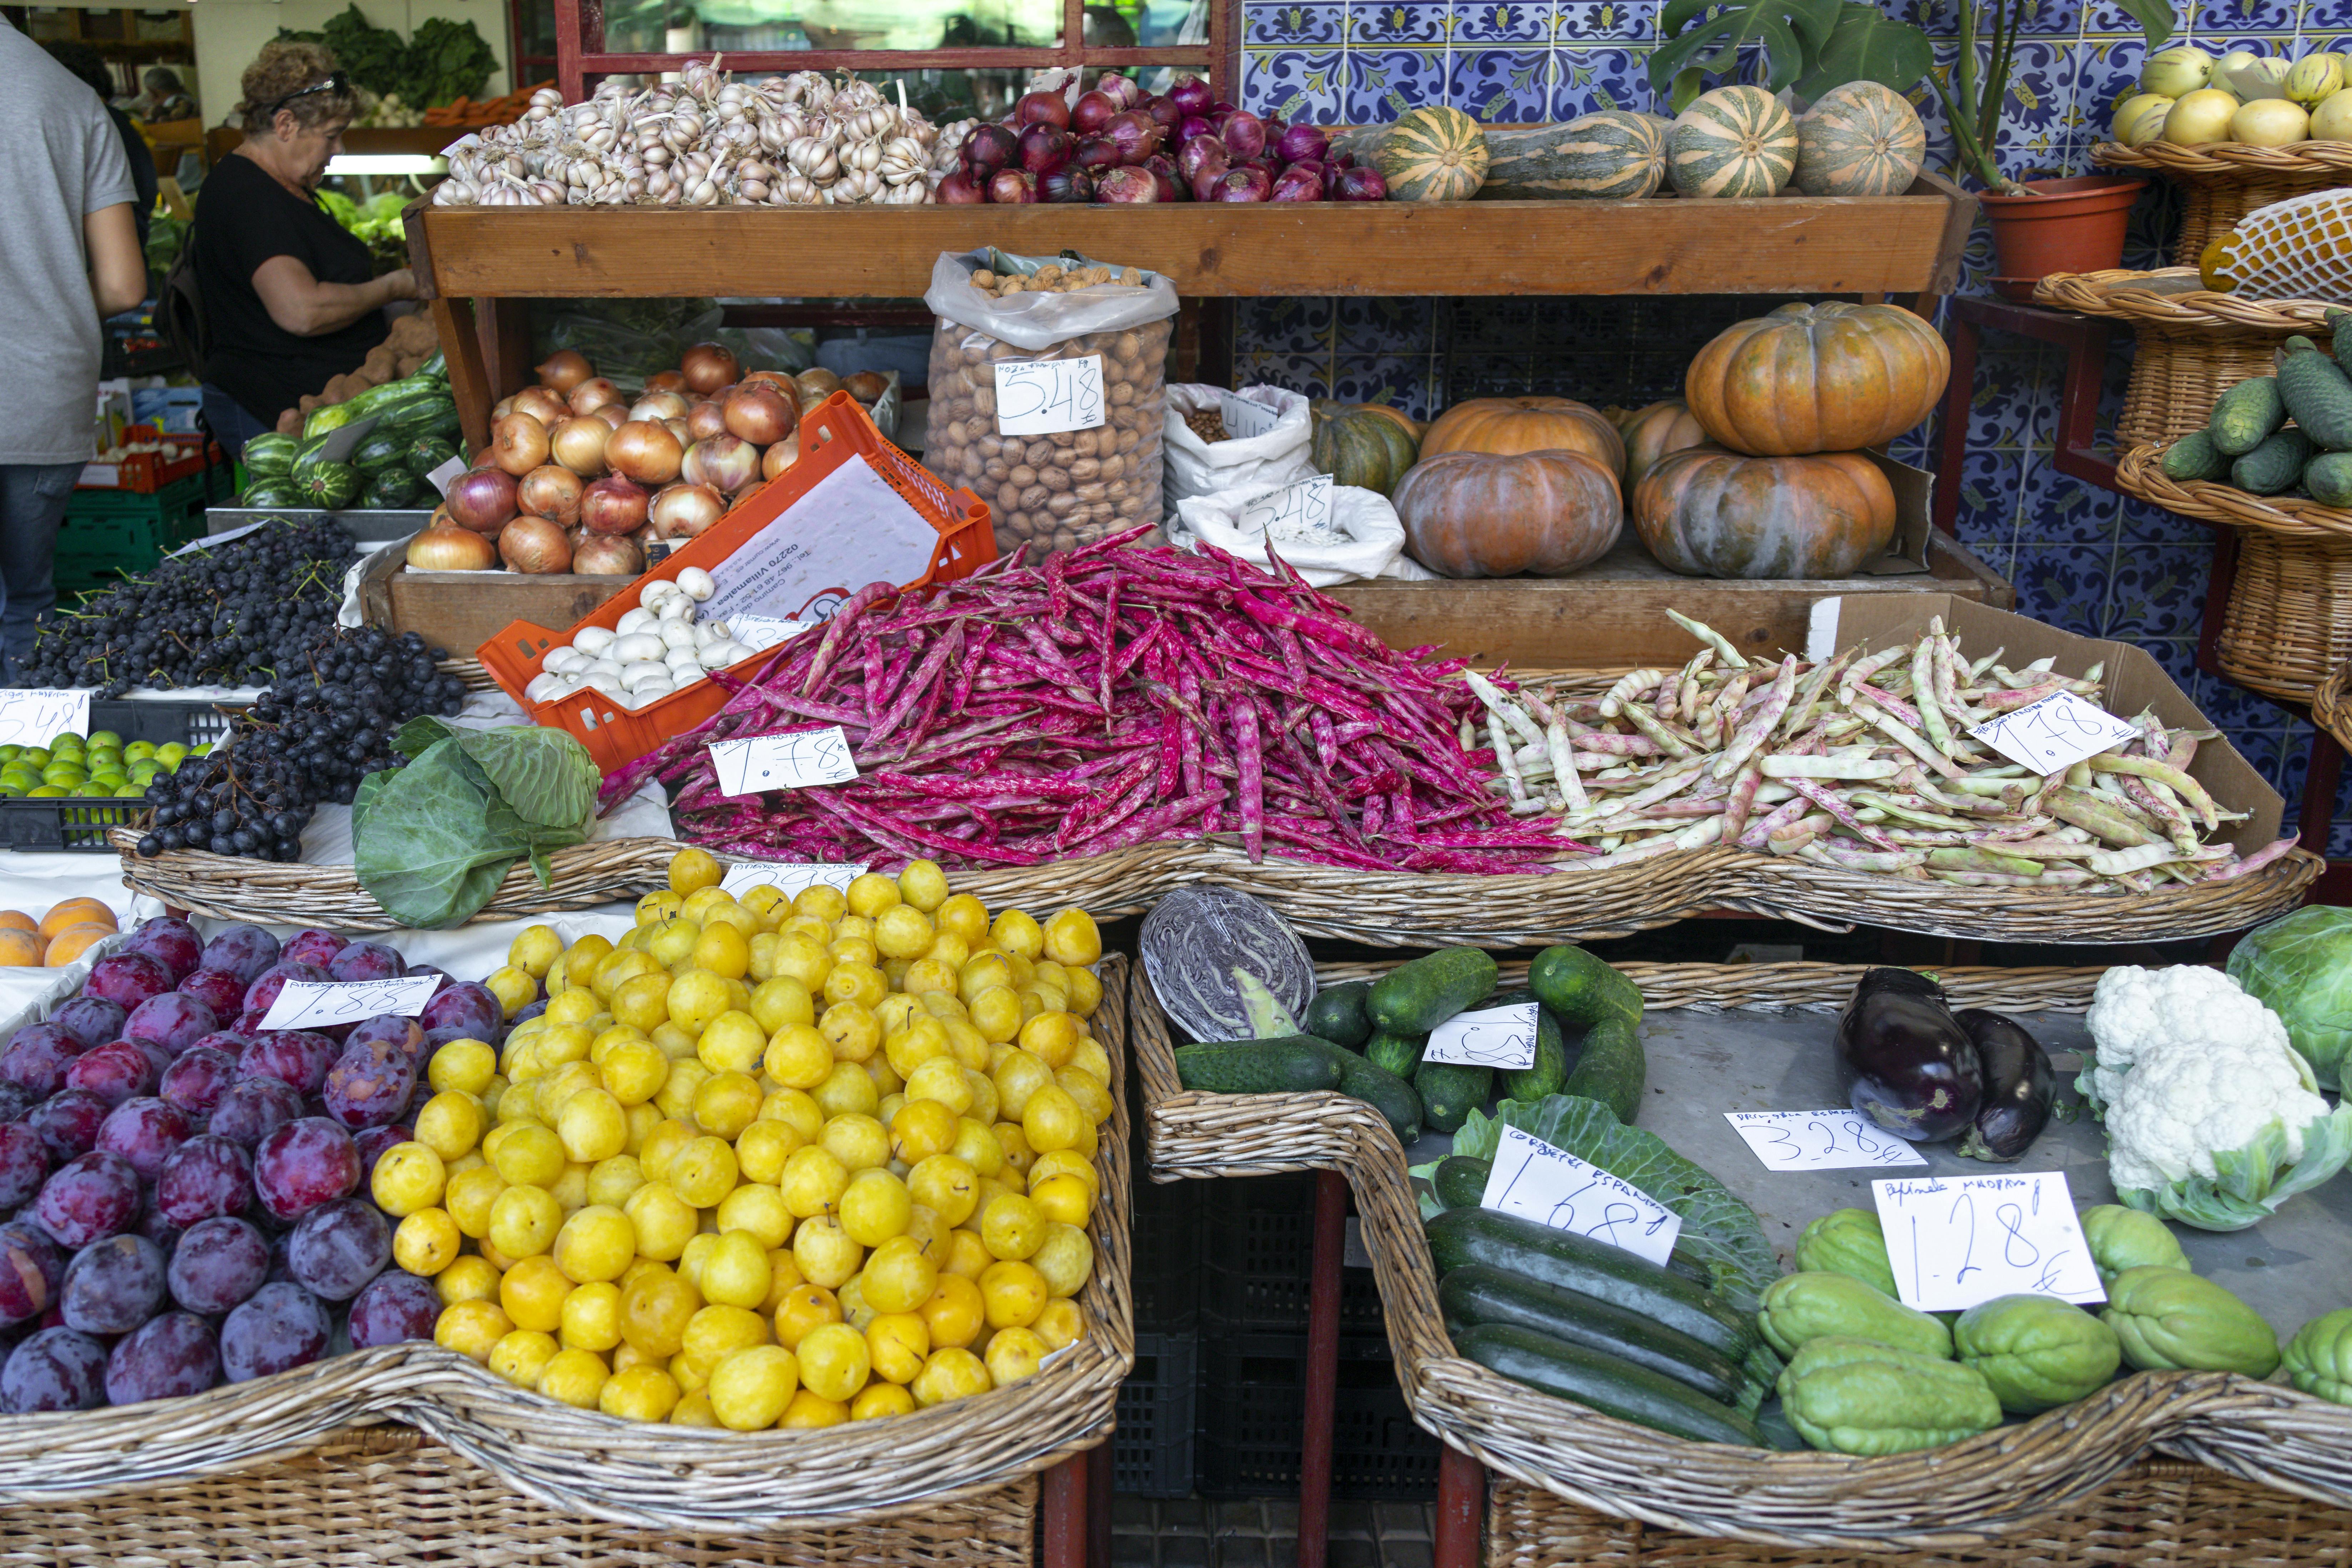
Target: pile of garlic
{"x": 655, "y": 649}
{"x": 706, "y": 140}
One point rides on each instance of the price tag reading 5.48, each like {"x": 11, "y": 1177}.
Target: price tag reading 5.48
{"x": 1551, "y": 1186}
{"x": 1294, "y": 510}
{"x": 2055, "y": 733}
{"x": 1046, "y": 397}
{"x": 34, "y": 716}
{"x": 795, "y": 761}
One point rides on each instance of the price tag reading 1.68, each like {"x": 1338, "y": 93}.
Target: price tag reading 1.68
{"x": 32, "y": 717}
{"x": 1551, "y": 1186}
{"x": 793, "y": 761}
{"x": 1046, "y": 397}
{"x": 2055, "y": 733}
{"x": 315, "y": 1004}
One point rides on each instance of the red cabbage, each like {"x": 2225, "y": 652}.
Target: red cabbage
{"x": 1197, "y": 940}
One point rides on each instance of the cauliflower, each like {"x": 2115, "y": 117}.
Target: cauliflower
{"x": 2170, "y": 1115}
{"x": 2137, "y": 1012}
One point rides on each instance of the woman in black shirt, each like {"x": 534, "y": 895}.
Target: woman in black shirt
{"x": 288, "y": 296}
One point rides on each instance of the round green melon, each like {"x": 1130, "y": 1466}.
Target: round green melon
{"x": 1433, "y": 154}
{"x": 1860, "y": 140}
{"x": 1733, "y": 141}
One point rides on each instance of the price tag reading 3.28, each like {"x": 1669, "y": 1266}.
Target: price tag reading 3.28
{"x": 319, "y": 1004}
{"x": 2055, "y": 733}
{"x": 793, "y": 761}
{"x": 1046, "y": 397}
{"x": 1819, "y": 1139}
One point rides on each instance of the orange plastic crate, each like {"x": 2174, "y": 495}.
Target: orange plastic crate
{"x": 831, "y": 434}
{"x": 147, "y": 472}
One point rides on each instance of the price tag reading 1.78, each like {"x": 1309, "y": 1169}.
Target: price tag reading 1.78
{"x": 2055, "y": 733}
{"x": 1046, "y": 397}
{"x": 793, "y": 761}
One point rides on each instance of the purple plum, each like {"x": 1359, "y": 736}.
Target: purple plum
{"x": 218, "y": 989}
{"x": 90, "y": 1020}
{"x": 313, "y": 946}
{"x": 171, "y": 942}
{"x": 243, "y": 950}
{"x": 175, "y": 1021}
{"x": 127, "y": 979}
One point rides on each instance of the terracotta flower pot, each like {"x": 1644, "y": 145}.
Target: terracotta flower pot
{"x": 2066, "y": 226}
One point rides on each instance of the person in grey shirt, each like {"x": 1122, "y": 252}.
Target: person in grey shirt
{"x": 69, "y": 257}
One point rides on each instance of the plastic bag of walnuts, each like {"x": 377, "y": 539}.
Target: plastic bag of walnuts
{"x": 1062, "y": 455}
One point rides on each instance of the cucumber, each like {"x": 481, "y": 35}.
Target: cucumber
{"x": 1609, "y": 1384}
{"x": 1385, "y": 1092}
{"x": 1613, "y": 1068}
{"x": 1550, "y": 1068}
{"x": 1778, "y": 1431}
{"x": 1399, "y": 1054}
{"x": 1337, "y": 1015}
{"x": 1295, "y": 1064}
{"x": 2328, "y": 478}
{"x": 2317, "y": 395}
{"x": 1482, "y": 1294}
{"x": 1459, "y": 1238}
{"x": 1581, "y": 989}
{"x": 1415, "y": 997}
{"x": 2194, "y": 456}
{"x": 1450, "y": 1092}
{"x": 2273, "y": 466}
{"x": 2246, "y": 415}
{"x": 1461, "y": 1181}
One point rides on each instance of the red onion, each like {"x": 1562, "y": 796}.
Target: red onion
{"x": 1042, "y": 108}
{"x": 1012, "y": 187}
{"x": 601, "y": 555}
{"x": 990, "y": 148}
{"x": 723, "y": 462}
{"x": 1361, "y": 184}
{"x": 519, "y": 443}
{"x": 1091, "y": 113}
{"x": 1191, "y": 94}
{"x": 708, "y": 367}
{"x": 1121, "y": 91}
{"x": 1202, "y": 153}
{"x": 1247, "y": 184}
{"x": 1134, "y": 133}
{"x": 684, "y": 512}
{"x": 1096, "y": 153}
{"x": 1218, "y": 116}
{"x": 1123, "y": 188}
{"x": 1046, "y": 148}
{"x": 1302, "y": 144}
{"x": 756, "y": 412}
{"x": 1299, "y": 183}
{"x": 1244, "y": 134}
{"x": 551, "y": 490}
{"x": 1341, "y": 161}
{"x": 482, "y": 500}
{"x": 643, "y": 451}
{"x": 613, "y": 505}
{"x": 1194, "y": 125}
{"x": 535, "y": 546}
{"x": 1163, "y": 171}
{"x": 1275, "y": 126}
{"x": 1066, "y": 186}
{"x": 1204, "y": 183}
{"x": 1164, "y": 114}
{"x": 958, "y": 190}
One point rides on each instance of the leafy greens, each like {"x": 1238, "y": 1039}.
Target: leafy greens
{"x": 434, "y": 840}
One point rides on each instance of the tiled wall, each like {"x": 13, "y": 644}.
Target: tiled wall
{"x": 2082, "y": 558}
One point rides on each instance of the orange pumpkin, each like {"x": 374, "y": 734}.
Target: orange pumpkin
{"x": 1481, "y": 514}
{"x": 1831, "y": 377}
{"x": 1653, "y": 432}
{"x": 1707, "y": 512}
{"x": 1505, "y": 425}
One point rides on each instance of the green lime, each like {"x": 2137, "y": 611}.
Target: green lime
{"x": 46, "y": 792}
{"x": 107, "y": 738}
{"x": 38, "y": 756}
{"x": 130, "y": 792}
{"x": 139, "y": 749}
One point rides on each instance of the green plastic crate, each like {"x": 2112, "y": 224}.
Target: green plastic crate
{"x": 107, "y": 533}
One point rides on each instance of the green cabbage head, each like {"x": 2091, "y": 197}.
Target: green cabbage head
{"x": 2300, "y": 966}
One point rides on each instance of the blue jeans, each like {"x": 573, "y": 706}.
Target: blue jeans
{"x": 231, "y": 426}
{"x": 33, "y": 497}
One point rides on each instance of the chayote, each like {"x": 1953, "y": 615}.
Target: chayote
{"x": 2169, "y": 1319}
{"x": 1800, "y": 1308}
{"x": 1850, "y": 1242}
{"x": 2319, "y": 1357}
{"x": 1854, "y": 1397}
{"x": 2037, "y": 1351}
{"x": 2123, "y": 1239}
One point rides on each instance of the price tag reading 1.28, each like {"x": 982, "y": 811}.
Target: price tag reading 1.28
{"x": 793, "y": 761}
{"x": 32, "y": 717}
{"x": 318, "y": 1004}
{"x": 1046, "y": 397}
{"x": 2055, "y": 733}
{"x": 1954, "y": 1241}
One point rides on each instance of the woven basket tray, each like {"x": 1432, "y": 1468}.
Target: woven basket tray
{"x": 2193, "y": 344}
{"x": 385, "y": 1495}
{"x": 2223, "y": 182}
{"x": 2331, "y": 706}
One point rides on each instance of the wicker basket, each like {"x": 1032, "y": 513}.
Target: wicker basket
{"x": 385, "y": 1496}
{"x": 2223, "y": 182}
{"x": 2331, "y": 706}
{"x": 2193, "y": 344}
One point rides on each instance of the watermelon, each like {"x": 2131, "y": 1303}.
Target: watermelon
{"x": 390, "y": 488}
{"x": 1433, "y": 154}
{"x": 1862, "y": 139}
{"x": 1733, "y": 141}
{"x": 379, "y": 452}
{"x": 426, "y": 453}
{"x": 270, "y": 454}
{"x": 1617, "y": 154}
{"x": 333, "y": 486}
{"x": 326, "y": 419}
{"x": 272, "y": 494}
{"x": 435, "y": 365}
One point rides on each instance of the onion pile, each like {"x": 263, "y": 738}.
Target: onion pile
{"x": 655, "y": 649}
{"x": 1116, "y": 145}
{"x": 706, "y": 140}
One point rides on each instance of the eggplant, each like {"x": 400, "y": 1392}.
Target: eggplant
{"x": 1905, "y": 1060}
{"x": 2019, "y": 1083}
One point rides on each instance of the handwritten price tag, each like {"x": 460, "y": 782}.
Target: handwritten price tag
{"x": 447, "y": 474}
{"x": 2055, "y": 733}
{"x": 1042, "y": 397}
{"x": 760, "y": 633}
{"x": 1819, "y": 1139}
{"x": 1954, "y": 1241}
{"x": 313, "y": 1004}
{"x": 30, "y": 717}
{"x": 783, "y": 761}
{"x": 1302, "y": 507}
{"x": 1496, "y": 1037}
{"x": 1246, "y": 420}
{"x": 790, "y": 878}
{"x": 1551, "y": 1186}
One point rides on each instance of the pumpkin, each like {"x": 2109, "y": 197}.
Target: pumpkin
{"x": 1707, "y": 512}
{"x": 1363, "y": 445}
{"x": 1507, "y": 425}
{"x": 1433, "y": 154}
{"x": 1616, "y": 154}
{"x": 1831, "y": 377}
{"x": 1482, "y": 514}
{"x": 1733, "y": 141}
{"x": 1653, "y": 432}
{"x": 1862, "y": 139}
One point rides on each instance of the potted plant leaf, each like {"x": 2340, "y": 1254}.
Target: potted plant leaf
{"x": 1811, "y": 46}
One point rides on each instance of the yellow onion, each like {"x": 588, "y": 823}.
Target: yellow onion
{"x": 549, "y": 491}
{"x": 684, "y": 512}
{"x": 451, "y": 549}
{"x": 542, "y": 405}
{"x": 780, "y": 455}
{"x": 605, "y": 555}
{"x": 708, "y": 367}
{"x": 578, "y": 444}
{"x": 564, "y": 370}
{"x": 535, "y": 546}
{"x": 646, "y": 452}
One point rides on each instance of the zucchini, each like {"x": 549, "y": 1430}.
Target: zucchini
{"x": 1459, "y": 1238}
{"x": 1384, "y": 1091}
{"x": 2274, "y": 466}
{"x": 2194, "y": 456}
{"x": 1611, "y": 1068}
{"x": 1295, "y": 1064}
{"x": 1778, "y": 1431}
{"x": 2317, "y": 395}
{"x": 1450, "y": 1092}
{"x": 1399, "y": 1054}
{"x": 1337, "y": 1015}
{"x": 1608, "y": 1384}
{"x": 2328, "y": 478}
{"x": 326, "y": 419}
{"x": 1581, "y": 989}
{"x": 1482, "y": 1294}
{"x": 2246, "y": 415}
{"x": 1461, "y": 1181}
{"x": 1416, "y": 996}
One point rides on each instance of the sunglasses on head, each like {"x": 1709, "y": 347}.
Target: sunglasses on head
{"x": 337, "y": 83}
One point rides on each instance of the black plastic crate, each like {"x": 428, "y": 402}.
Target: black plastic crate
{"x": 1252, "y": 1419}
{"x": 1257, "y": 1259}
{"x": 80, "y": 826}
{"x": 1166, "y": 1238}
{"x": 1151, "y": 1452}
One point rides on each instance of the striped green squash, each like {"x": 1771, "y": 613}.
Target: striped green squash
{"x": 1433, "y": 154}
{"x": 1616, "y": 154}
{"x": 1733, "y": 141}
{"x": 1860, "y": 140}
